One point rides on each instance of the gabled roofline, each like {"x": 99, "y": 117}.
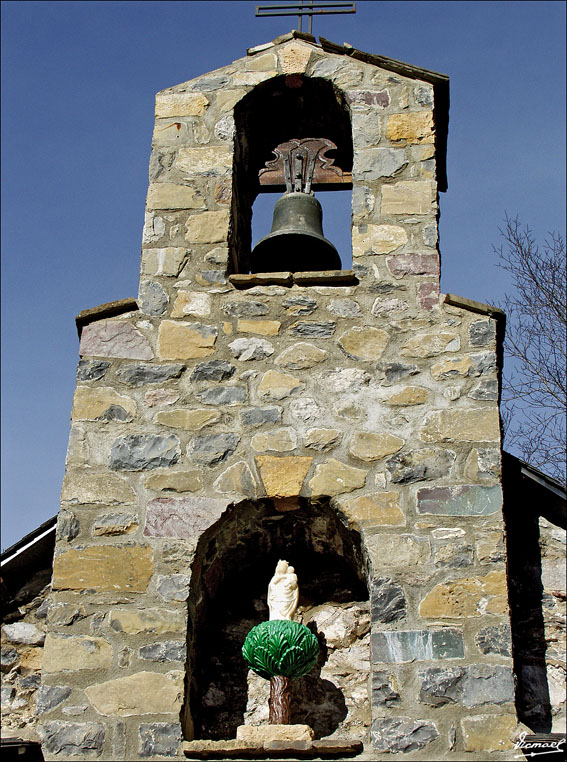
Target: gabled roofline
{"x": 471, "y": 306}
{"x": 28, "y": 541}
{"x": 537, "y": 491}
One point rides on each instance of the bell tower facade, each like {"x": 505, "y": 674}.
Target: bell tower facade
{"x": 251, "y": 406}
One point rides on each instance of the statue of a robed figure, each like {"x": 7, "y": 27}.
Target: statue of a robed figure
{"x": 281, "y": 650}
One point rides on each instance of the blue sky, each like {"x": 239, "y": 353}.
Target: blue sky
{"x": 78, "y": 86}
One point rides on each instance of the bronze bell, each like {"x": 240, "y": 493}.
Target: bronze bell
{"x": 296, "y": 242}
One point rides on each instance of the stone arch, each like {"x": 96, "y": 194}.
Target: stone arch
{"x": 281, "y": 108}
{"x": 234, "y": 562}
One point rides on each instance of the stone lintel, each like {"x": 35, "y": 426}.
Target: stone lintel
{"x": 236, "y": 749}
{"x": 242, "y": 280}
{"x": 472, "y": 306}
{"x": 307, "y": 278}
{"x": 107, "y": 310}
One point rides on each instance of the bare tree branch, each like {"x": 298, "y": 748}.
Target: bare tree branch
{"x": 535, "y": 389}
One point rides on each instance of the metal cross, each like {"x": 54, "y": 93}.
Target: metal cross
{"x": 308, "y": 8}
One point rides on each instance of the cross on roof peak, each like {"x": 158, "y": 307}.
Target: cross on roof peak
{"x": 308, "y": 8}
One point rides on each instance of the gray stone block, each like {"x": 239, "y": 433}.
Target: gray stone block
{"x": 465, "y": 500}
{"x": 257, "y": 416}
{"x": 387, "y": 601}
{"x": 73, "y": 738}
{"x": 210, "y": 449}
{"x": 402, "y": 734}
{"x": 314, "y": 330}
{"x": 429, "y": 234}
{"x": 441, "y": 686}
{"x": 251, "y": 349}
{"x": 153, "y": 300}
{"x": 374, "y": 163}
{"x": 344, "y": 307}
{"x": 30, "y": 683}
{"x": 223, "y": 395}
{"x": 486, "y": 389}
{"x": 174, "y": 587}
{"x": 487, "y": 684}
{"x": 474, "y": 685}
{"x": 8, "y": 657}
{"x": 213, "y": 370}
{"x": 24, "y": 633}
{"x": 159, "y": 739}
{"x": 424, "y": 96}
{"x": 300, "y": 305}
{"x": 91, "y": 370}
{"x": 494, "y": 640}
{"x": 115, "y": 413}
{"x": 50, "y": 696}
{"x": 213, "y": 276}
{"x": 383, "y": 691}
{"x": 385, "y": 287}
{"x": 395, "y": 371}
{"x": 482, "y": 333}
{"x": 142, "y": 452}
{"x": 420, "y": 465}
{"x": 484, "y": 362}
{"x": 207, "y": 84}
{"x": 417, "y": 645}
{"x": 67, "y": 526}
{"x": 167, "y": 650}
{"x": 138, "y": 374}
{"x": 245, "y": 309}
{"x": 452, "y": 554}
{"x": 43, "y": 609}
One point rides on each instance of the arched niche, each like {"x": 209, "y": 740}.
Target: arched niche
{"x": 280, "y": 109}
{"x": 234, "y": 562}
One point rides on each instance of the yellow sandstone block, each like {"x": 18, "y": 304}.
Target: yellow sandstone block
{"x": 104, "y": 568}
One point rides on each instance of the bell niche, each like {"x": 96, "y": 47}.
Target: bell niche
{"x": 305, "y": 124}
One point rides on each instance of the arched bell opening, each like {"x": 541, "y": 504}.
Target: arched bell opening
{"x": 280, "y": 110}
{"x": 234, "y": 562}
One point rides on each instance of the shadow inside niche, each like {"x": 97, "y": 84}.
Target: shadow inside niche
{"x": 315, "y": 701}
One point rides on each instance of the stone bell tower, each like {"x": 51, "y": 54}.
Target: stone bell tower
{"x": 256, "y": 406}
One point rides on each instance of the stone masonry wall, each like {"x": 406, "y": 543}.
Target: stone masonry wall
{"x": 23, "y": 635}
{"x": 552, "y": 543}
{"x": 378, "y": 396}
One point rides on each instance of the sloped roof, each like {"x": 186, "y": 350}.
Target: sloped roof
{"x": 529, "y": 486}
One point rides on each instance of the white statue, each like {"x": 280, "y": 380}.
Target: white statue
{"x": 283, "y": 592}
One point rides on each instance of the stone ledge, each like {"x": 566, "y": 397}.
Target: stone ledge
{"x": 261, "y": 279}
{"x": 109, "y": 309}
{"x": 308, "y": 278}
{"x": 472, "y": 306}
{"x": 235, "y": 749}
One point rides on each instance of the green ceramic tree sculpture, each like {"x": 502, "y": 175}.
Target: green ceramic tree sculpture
{"x": 281, "y": 650}
{"x": 280, "y": 647}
